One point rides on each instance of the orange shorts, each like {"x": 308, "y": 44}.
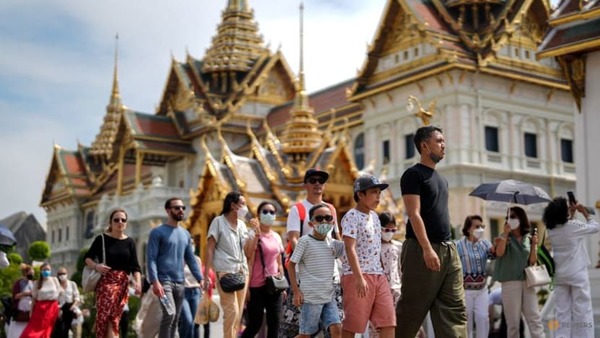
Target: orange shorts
{"x": 377, "y": 306}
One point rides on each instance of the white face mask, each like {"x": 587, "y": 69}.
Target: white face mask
{"x": 478, "y": 233}
{"x": 323, "y": 228}
{"x": 62, "y": 278}
{"x": 387, "y": 236}
{"x": 267, "y": 219}
{"x": 513, "y": 223}
{"x": 242, "y": 212}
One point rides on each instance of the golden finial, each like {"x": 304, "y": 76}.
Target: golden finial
{"x": 425, "y": 115}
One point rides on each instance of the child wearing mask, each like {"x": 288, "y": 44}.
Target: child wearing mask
{"x": 367, "y": 295}
{"x": 315, "y": 255}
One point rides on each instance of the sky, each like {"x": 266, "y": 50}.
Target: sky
{"x": 57, "y": 59}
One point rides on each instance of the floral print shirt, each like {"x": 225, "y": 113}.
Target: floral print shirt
{"x": 390, "y": 257}
{"x": 366, "y": 230}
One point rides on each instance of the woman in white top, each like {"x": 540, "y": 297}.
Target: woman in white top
{"x": 574, "y": 311}
{"x": 224, "y": 253}
{"x": 68, "y": 303}
{"x": 45, "y": 305}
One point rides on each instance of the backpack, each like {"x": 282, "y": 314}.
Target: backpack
{"x": 302, "y": 215}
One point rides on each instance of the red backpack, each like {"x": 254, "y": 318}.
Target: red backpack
{"x": 302, "y": 215}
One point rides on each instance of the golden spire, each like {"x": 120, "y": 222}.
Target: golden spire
{"x": 237, "y": 44}
{"x": 114, "y": 103}
{"x": 301, "y": 135}
{"x": 104, "y": 142}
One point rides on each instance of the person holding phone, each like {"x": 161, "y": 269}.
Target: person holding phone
{"x": 574, "y": 311}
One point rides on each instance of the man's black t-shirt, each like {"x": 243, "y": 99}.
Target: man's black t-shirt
{"x": 433, "y": 191}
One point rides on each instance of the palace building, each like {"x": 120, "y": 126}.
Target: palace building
{"x": 238, "y": 118}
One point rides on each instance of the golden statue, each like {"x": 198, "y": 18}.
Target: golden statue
{"x": 425, "y": 115}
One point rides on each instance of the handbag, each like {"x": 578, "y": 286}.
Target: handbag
{"x": 274, "y": 284}
{"x": 537, "y": 275}
{"x": 232, "y": 282}
{"x": 21, "y": 316}
{"x": 90, "y": 277}
{"x": 208, "y": 311}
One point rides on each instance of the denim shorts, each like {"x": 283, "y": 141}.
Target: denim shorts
{"x": 312, "y": 314}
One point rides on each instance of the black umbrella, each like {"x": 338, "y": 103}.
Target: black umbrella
{"x": 6, "y": 236}
{"x": 511, "y": 191}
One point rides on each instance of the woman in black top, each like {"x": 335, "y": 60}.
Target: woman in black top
{"x": 121, "y": 261}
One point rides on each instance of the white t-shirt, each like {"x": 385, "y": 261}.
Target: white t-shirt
{"x": 50, "y": 289}
{"x": 366, "y": 230}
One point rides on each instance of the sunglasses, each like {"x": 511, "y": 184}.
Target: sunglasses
{"x": 321, "y": 218}
{"x": 119, "y": 220}
{"x": 178, "y": 207}
{"x": 511, "y": 216}
{"x": 388, "y": 230}
{"x": 314, "y": 180}
{"x": 264, "y": 212}
{"x": 61, "y": 273}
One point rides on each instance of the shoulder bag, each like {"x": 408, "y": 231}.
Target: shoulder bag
{"x": 90, "y": 277}
{"x": 234, "y": 281}
{"x": 274, "y": 284}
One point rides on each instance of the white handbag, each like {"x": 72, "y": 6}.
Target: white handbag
{"x": 90, "y": 277}
{"x": 537, "y": 275}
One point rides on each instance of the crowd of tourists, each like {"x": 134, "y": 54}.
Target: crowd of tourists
{"x": 328, "y": 278}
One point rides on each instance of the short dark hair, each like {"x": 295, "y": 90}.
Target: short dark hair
{"x": 232, "y": 197}
{"x": 524, "y": 225}
{"x": 468, "y": 222}
{"x": 315, "y": 207}
{"x": 556, "y": 212}
{"x": 386, "y": 218}
{"x": 423, "y": 134}
{"x": 168, "y": 202}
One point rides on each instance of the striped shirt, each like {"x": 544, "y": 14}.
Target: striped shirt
{"x": 316, "y": 259}
{"x": 473, "y": 256}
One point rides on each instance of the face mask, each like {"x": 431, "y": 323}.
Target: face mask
{"x": 62, "y": 278}
{"x": 435, "y": 158}
{"x": 30, "y": 276}
{"x": 478, "y": 233}
{"x": 323, "y": 228}
{"x": 242, "y": 212}
{"x": 267, "y": 219}
{"x": 387, "y": 236}
{"x": 513, "y": 223}
{"x": 46, "y": 273}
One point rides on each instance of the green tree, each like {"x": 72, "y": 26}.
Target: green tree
{"x": 39, "y": 251}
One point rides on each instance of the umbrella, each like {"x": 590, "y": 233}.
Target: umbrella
{"x": 511, "y": 191}
{"x": 6, "y": 236}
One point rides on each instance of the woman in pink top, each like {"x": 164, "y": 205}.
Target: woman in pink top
{"x": 267, "y": 244}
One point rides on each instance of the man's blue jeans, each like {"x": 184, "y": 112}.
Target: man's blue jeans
{"x": 187, "y": 328}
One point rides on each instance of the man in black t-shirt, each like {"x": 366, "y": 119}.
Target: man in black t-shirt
{"x": 431, "y": 269}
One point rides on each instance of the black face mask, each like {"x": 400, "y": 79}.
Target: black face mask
{"x": 30, "y": 276}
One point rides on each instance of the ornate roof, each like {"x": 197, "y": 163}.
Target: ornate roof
{"x": 574, "y": 30}
{"x": 67, "y": 177}
{"x": 418, "y": 39}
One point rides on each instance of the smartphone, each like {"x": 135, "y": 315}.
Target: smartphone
{"x": 572, "y": 199}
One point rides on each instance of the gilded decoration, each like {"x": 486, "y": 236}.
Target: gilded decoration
{"x": 274, "y": 85}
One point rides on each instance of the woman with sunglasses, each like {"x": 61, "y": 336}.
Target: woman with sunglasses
{"x": 224, "y": 253}
{"x": 263, "y": 249}
{"x": 112, "y": 290}
{"x": 474, "y": 250}
{"x": 516, "y": 249}
{"x": 571, "y": 282}
{"x": 45, "y": 295}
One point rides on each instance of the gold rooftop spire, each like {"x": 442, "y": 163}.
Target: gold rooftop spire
{"x": 301, "y": 135}
{"x": 237, "y": 44}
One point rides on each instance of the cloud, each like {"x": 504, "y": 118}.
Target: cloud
{"x": 58, "y": 57}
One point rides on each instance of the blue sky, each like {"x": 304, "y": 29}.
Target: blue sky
{"x": 57, "y": 57}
